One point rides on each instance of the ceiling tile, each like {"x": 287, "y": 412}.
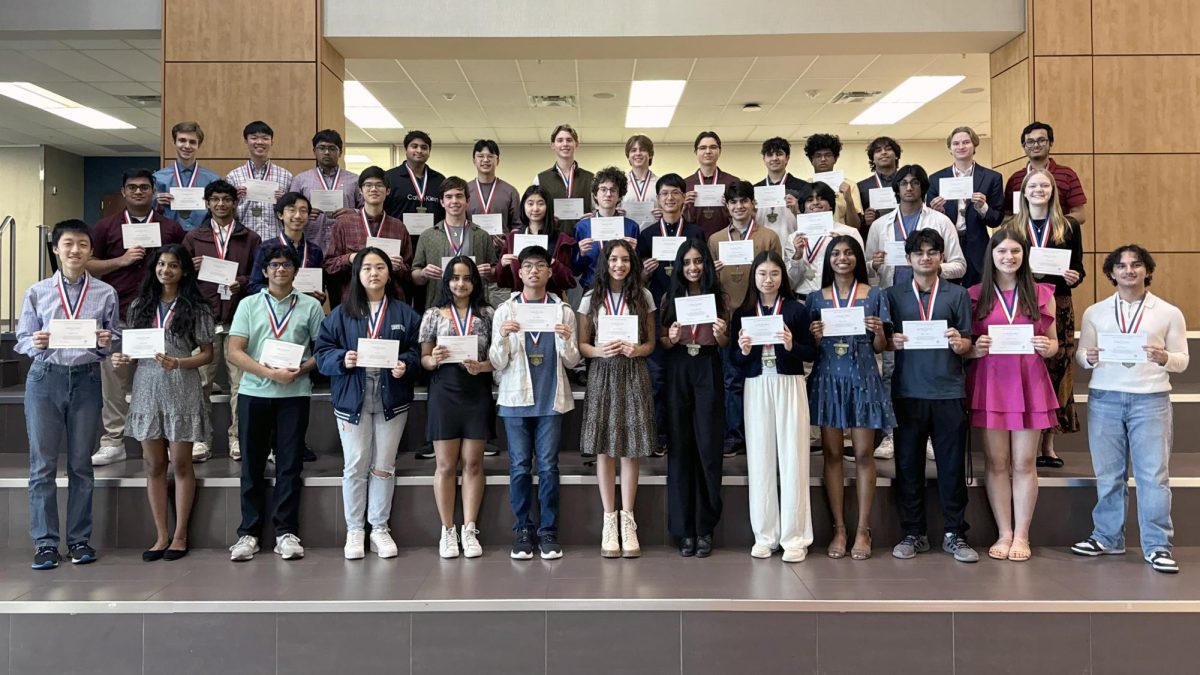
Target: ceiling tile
{"x": 605, "y": 69}
{"x": 763, "y": 132}
{"x": 24, "y": 45}
{"x": 124, "y": 88}
{"x": 398, "y": 94}
{"x": 433, "y": 70}
{"x": 760, "y": 91}
{"x": 468, "y": 135}
{"x": 129, "y": 62}
{"x": 411, "y": 117}
{"x": 356, "y": 135}
{"x": 504, "y": 94}
{"x": 619, "y": 90}
{"x": 721, "y": 69}
{"x": 518, "y": 135}
{"x": 547, "y": 70}
{"x": 958, "y": 64}
{"x": 551, "y": 88}
{"x": 788, "y": 115}
{"x": 479, "y": 72}
{"x": 77, "y": 65}
{"x": 17, "y": 67}
{"x": 552, "y": 117}
{"x": 814, "y": 90}
{"x": 707, "y": 93}
{"x": 780, "y": 67}
{"x": 463, "y": 115}
{"x": 681, "y": 134}
{"x": 840, "y": 66}
{"x": 510, "y": 116}
{"x": 695, "y": 115}
{"x": 375, "y": 70}
{"x": 86, "y": 94}
{"x": 663, "y": 69}
{"x": 898, "y": 65}
{"x": 139, "y": 118}
{"x": 605, "y": 134}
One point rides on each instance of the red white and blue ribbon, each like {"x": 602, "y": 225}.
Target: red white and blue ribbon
{"x": 303, "y": 248}
{"x": 278, "y": 325}
{"x": 775, "y": 309}
{"x": 375, "y": 326}
{"x": 926, "y": 313}
{"x": 72, "y": 311}
{"x": 463, "y": 326}
{"x": 487, "y": 203}
{"x": 614, "y": 306}
{"x": 837, "y": 302}
{"x": 568, "y": 181}
{"x": 1042, "y": 241}
{"x": 337, "y": 179}
{"x": 1010, "y": 308}
{"x": 1133, "y": 323}
{"x": 419, "y": 189}
{"x": 640, "y": 190}
{"x": 179, "y": 176}
{"x": 163, "y": 319}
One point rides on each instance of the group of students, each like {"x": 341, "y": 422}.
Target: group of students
{"x": 686, "y": 352}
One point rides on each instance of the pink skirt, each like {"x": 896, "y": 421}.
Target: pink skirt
{"x": 1013, "y": 421}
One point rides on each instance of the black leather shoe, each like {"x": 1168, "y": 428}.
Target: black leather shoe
{"x": 174, "y": 553}
{"x": 704, "y": 546}
{"x": 150, "y": 555}
{"x": 308, "y": 455}
{"x": 687, "y": 547}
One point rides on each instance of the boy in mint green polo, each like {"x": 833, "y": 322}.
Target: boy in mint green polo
{"x": 270, "y": 339}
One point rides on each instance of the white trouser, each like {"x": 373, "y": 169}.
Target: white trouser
{"x": 776, "y": 408}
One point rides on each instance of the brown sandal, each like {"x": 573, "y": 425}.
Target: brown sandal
{"x": 837, "y": 552}
{"x": 1000, "y": 549}
{"x": 861, "y": 553}
{"x": 1020, "y": 551}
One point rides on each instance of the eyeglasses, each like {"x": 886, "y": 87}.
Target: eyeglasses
{"x": 373, "y": 187}
{"x": 139, "y": 187}
{"x": 220, "y": 199}
{"x": 534, "y": 267}
{"x": 670, "y": 192}
{"x": 327, "y": 148}
{"x": 1035, "y": 142}
{"x": 295, "y": 209}
{"x": 606, "y": 190}
{"x": 280, "y": 265}
{"x": 910, "y": 183}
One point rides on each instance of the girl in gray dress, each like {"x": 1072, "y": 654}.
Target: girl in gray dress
{"x": 166, "y": 411}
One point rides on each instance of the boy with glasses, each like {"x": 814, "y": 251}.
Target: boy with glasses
{"x": 1037, "y": 139}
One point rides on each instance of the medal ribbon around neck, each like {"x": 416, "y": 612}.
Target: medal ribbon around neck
{"x": 337, "y": 179}
{"x": 901, "y": 233}
{"x": 716, "y": 177}
{"x": 1010, "y": 310}
{"x": 462, "y": 238}
{"x": 462, "y": 326}
{"x": 149, "y": 218}
{"x": 303, "y": 249}
{"x": 1134, "y": 322}
{"x": 266, "y": 170}
{"x": 532, "y": 335}
{"x": 926, "y": 313}
{"x": 72, "y": 311}
{"x": 367, "y": 223}
{"x": 278, "y": 325}
{"x": 811, "y": 252}
{"x": 375, "y": 325}
{"x": 662, "y": 227}
{"x": 419, "y": 189}
{"x": 963, "y": 174}
{"x": 775, "y": 309}
{"x": 163, "y": 319}
{"x": 487, "y": 203}
{"x": 1042, "y": 241}
{"x": 749, "y": 231}
{"x": 837, "y": 302}
{"x": 179, "y": 176}
{"x": 639, "y": 192}
{"x": 614, "y": 307}
{"x": 568, "y": 181}
{"x": 221, "y": 238}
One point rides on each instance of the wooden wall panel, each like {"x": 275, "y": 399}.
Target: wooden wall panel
{"x": 1083, "y": 166}
{"x": 1174, "y": 280}
{"x": 1084, "y": 295}
{"x": 224, "y": 97}
{"x": 225, "y": 30}
{"x": 1012, "y": 107}
{"x": 1147, "y": 103}
{"x": 1126, "y": 185}
{"x": 331, "y": 58}
{"x": 1011, "y": 53}
{"x": 1062, "y": 27}
{"x": 1062, "y": 94}
{"x": 331, "y": 110}
{"x": 1145, "y": 27}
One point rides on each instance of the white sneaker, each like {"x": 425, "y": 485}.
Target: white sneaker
{"x": 200, "y": 453}
{"x": 886, "y": 449}
{"x": 760, "y": 551}
{"x": 271, "y": 457}
{"x": 235, "y": 450}
{"x": 470, "y": 541}
{"x": 382, "y": 543}
{"x": 929, "y": 449}
{"x": 244, "y": 549}
{"x": 108, "y": 454}
{"x": 288, "y": 547}
{"x": 630, "y": 548}
{"x": 610, "y": 544}
{"x": 448, "y": 546}
{"x": 354, "y": 544}
{"x": 795, "y": 555}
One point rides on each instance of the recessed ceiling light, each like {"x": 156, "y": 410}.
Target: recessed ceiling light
{"x": 44, "y": 99}
{"x": 906, "y": 99}
{"x": 752, "y": 108}
{"x": 602, "y": 95}
{"x": 652, "y": 103}
{"x": 363, "y": 109}
{"x": 449, "y": 96}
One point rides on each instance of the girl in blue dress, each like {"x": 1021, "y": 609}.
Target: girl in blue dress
{"x": 845, "y": 390}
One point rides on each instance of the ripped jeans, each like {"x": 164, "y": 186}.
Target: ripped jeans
{"x": 368, "y": 478}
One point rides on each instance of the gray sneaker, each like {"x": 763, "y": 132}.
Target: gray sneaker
{"x": 910, "y": 546}
{"x": 957, "y": 546}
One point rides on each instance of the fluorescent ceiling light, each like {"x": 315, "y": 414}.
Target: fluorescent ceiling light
{"x": 358, "y": 159}
{"x": 906, "y": 99}
{"x": 44, "y": 99}
{"x": 652, "y": 103}
{"x": 362, "y": 108}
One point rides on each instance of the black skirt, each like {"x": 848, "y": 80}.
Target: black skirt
{"x": 460, "y": 404}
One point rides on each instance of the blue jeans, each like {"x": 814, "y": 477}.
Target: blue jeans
{"x": 735, "y": 429}
{"x": 62, "y": 408}
{"x": 1131, "y": 428}
{"x": 527, "y": 436}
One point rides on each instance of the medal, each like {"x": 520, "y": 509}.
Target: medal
{"x": 693, "y": 349}
{"x": 737, "y": 276}
{"x": 375, "y": 325}
{"x": 707, "y": 212}
{"x": 568, "y": 181}
{"x": 669, "y": 269}
{"x": 1134, "y": 322}
{"x": 69, "y": 310}
{"x": 535, "y": 359}
{"x": 811, "y": 254}
{"x": 418, "y": 189}
{"x": 772, "y": 216}
{"x": 810, "y": 274}
{"x": 163, "y": 319}
{"x": 486, "y": 203}
{"x": 841, "y": 347}
{"x": 279, "y": 325}
{"x": 422, "y": 209}
{"x": 768, "y": 353}
{"x": 179, "y": 182}
{"x": 256, "y": 211}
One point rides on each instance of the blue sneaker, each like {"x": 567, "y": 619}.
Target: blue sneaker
{"x": 82, "y": 554}
{"x": 46, "y": 558}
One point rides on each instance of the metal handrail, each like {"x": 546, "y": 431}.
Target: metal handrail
{"x": 10, "y": 224}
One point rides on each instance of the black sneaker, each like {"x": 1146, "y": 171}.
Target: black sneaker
{"x": 82, "y": 554}
{"x": 491, "y": 450}
{"x": 522, "y": 548}
{"x": 659, "y": 450}
{"x": 551, "y": 549}
{"x": 1160, "y": 560}
{"x": 46, "y": 558}
{"x": 308, "y": 455}
{"x": 426, "y": 452}
{"x": 704, "y": 546}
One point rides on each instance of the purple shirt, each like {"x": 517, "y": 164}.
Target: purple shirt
{"x": 42, "y": 304}
{"x": 317, "y": 231}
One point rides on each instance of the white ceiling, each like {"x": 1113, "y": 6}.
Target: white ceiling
{"x": 491, "y": 98}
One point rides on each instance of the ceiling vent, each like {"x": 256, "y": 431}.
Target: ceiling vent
{"x": 854, "y": 97}
{"x": 143, "y": 101}
{"x": 552, "y": 101}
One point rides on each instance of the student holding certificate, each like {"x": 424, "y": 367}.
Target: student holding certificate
{"x": 166, "y": 410}
{"x": 293, "y": 212}
{"x": 770, "y": 355}
{"x": 1011, "y": 396}
{"x": 616, "y": 331}
{"x": 370, "y": 403}
{"x": 1131, "y": 341}
{"x": 844, "y": 389}
{"x": 1054, "y": 239}
{"x": 608, "y": 189}
{"x": 694, "y": 398}
{"x": 537, "y": 219}
{"x": 455, "y": 336}
{"x": 62, "y": 391}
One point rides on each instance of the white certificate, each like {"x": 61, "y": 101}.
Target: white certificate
{"x": 815, "y": 224}
{"x": 956, "y": 188}
{"x": 524, "y": 241}
{"x": 328, "y": 200}
{"x": 309, "y": 280}
{"x": 281, "y": 354}
{"x": 844, "y": 321}
{"x": 607, "y": 228}
{"x": 261, "y": 190}
{"x": 1016, "y": 205}
{"x": 568, "y": 209}
{"x": 736, "y": 252}
{"x": 696, "y": 309}
{"x": 896, "y": 257}
{"x": 833, "y": 179}
{"x": 762, "y": 329}
{"x": 539, "y": 317}
{"x": 446, "y": 262}
{"x": 1122, "y": 347}
{"x": 187, "y": 199}
{"x": 1049, "y": 260}
{"x": 664, "y": 249}
{"x": 146, "y": 235}
{"x": 462, "y": 347}
{"x": 617, "y": 327}
{"x": 143, "y": 343}
{"x": 378, "y": 353}
{"x": 770, "y": 196}
{"x": 392, "y": 247}
{"x": 1011, "y": 339}
{"x": 218, "y": 271}
{"x": 72, "y": 333}
{"x": 492, "y": 223}
{"x": 710, "y": 195}
{"x": 638, "y": 212}
{"x": 882, "y": 198}
{"x": 926, "y": 335}
{"x": 417, "y": 223}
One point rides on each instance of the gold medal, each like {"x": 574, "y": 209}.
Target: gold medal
{"x": 707, "y": 213}
{"x": 693, "y": 349}
{"x": 810, "y": 274}
{"x": 1128, "y": 365}
{"x": 184, "y": 214}
{"x": 737, "y": 276}
{"x": 256, "y": 211}
{"x": 841, "y": 348}
{"x": 772, "y": 216}
{"x": 421, "y": 209}
{"x": 768, "y": 362}
{"x": 669, "y": 269}
{"x": 536, "y": 359}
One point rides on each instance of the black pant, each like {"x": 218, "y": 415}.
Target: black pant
{"x": 694, "y": 394}
{"x": 946, "y": 422}
{"x": 259, "y": 419}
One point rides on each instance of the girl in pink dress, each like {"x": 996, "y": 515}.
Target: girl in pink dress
{"x": 1011, "y": 396}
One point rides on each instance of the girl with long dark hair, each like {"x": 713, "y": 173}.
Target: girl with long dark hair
{"x": 537, "y": 218}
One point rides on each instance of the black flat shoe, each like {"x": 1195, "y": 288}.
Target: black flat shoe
{"x": 150, "y": 555}
{"x": 1040, "y": 462}
{"x": 1053, "y": 462}
{"x": 687, "y": 547}
{"x": 174, "y": 553}
{"x": 704, "y": 546}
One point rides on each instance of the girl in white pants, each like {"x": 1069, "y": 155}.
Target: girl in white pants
{"x": 776, "y": 409}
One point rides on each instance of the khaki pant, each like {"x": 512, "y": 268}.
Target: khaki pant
{"x": 208, "y": 374}
{"x": 115, "y": 385}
